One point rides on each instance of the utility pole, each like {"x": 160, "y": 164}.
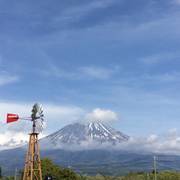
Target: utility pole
{"x": 155, "y": 168}
{"x": 15, "y": 174}
{"x": 147, "y": 176}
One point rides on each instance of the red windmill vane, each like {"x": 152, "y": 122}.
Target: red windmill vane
{"x": 12, "y": 118}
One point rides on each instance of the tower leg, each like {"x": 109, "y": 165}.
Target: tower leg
{"x": 32, "y": 169}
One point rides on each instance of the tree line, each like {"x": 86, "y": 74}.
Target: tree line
{"x": 59, "y": 173}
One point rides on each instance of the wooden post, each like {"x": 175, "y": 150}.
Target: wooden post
{"x": 32, "y": 170}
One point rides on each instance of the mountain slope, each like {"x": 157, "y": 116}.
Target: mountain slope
{"x": 79, "y": 134}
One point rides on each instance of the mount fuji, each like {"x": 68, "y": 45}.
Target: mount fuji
{"x": 79, "y": 134}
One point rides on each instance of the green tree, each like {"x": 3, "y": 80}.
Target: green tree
{"x": 49, "y": 168}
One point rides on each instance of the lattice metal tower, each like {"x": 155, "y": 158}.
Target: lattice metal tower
{"x": 32, "y": 169}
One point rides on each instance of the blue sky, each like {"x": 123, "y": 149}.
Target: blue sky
{"x": 118, "y": 55}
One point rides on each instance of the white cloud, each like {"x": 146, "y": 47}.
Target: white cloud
{"x": 6, "y": 78}
{"x": 101, "y": 115}
{"x": 168, "y": 143}
{"x": 152, "y": 138}
{"x": 86, "y": 72}
{"x": 98, "y": 72}
{"x": 163, "y": 77}
{"x": 55, "y": 71}
{"x": 139, "y": 33}
{"x": 10, "y": 139}
{"x": 80, "y": 11}
{"x": 160, "y": 58}
{"x": 177, "y": 2}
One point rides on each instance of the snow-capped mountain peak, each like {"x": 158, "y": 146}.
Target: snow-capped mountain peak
{"x": 103, "y": 133}
{"x": 78, "y": 133}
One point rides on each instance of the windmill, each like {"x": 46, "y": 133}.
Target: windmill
{"x": 32, "y": 169}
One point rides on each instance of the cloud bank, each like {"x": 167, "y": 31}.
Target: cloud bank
{"x": 168, "y": 144}
{"x": 16, "y": 134}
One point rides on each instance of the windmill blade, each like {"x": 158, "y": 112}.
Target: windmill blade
{"x": 38, "y": 117}
{"x": 39, "y": 126}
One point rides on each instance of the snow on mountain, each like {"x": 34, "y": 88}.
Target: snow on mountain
{"x": 78, "y": 134}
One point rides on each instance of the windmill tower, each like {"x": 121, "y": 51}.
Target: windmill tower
{"x": 32, "y": 169}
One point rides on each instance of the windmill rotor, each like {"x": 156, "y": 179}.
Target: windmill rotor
{"x": 37, "y": 112}
{"x": 37, "y": 117}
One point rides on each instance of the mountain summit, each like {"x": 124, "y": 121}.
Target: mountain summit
{"x": 78, "y": 134}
